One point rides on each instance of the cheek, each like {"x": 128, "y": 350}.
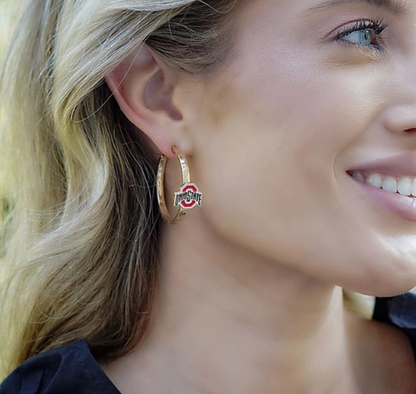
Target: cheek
{"x": 277, "y": 137}
{"x": 267, "y": 160}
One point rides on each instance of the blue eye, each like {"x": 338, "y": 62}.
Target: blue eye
{"x": 363, "y": 33}
{"x": 365, "y": 37}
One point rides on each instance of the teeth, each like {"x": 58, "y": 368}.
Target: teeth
{"x": 374, "y": 180}
{"x": 359, "y": 177}
{"x": 405, "y": 185}
{"x": 390, "y": 184}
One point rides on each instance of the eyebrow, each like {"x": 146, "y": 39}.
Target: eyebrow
{"x": 393, "y": 6}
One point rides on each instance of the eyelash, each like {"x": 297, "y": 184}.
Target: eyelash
{"x": 378, "y": 26}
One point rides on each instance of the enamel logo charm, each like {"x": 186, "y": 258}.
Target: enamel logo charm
{"x": 188, "y": 196}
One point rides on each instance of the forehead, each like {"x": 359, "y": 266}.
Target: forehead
{"x": 284, "y": 14}
{"x": 393, "y": 6}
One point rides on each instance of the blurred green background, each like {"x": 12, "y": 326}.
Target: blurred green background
{"x": 9, "y": 10}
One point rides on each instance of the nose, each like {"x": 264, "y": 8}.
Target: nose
{"x": 401, "y": 88}
{"x": 402, "y": 119}
{"x": 401, "y": 80}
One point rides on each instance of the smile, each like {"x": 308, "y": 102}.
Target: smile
{"x": 405, "y": 185}
{"x": 396, "y": 194}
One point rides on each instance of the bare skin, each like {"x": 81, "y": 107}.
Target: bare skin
{"x": 257, "y": 330}
{"x": 250, "y": 298}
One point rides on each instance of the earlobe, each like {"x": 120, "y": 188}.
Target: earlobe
{"x": 144, "y": 87}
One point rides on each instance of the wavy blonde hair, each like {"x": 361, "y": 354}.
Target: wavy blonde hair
{"x": 79, "y": 236}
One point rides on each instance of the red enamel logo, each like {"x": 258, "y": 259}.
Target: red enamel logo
{"x": 188, "y": 196}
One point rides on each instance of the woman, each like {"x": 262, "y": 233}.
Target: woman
{"x": 297, "y": 120}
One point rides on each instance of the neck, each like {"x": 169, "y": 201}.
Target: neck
{"x": 230, "y": 322}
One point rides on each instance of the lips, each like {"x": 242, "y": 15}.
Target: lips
{"x": 391, "y": 183}
{"x": 395, "y": 166}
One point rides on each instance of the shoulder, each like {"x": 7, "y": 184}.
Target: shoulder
{"x": 63, "y": 370}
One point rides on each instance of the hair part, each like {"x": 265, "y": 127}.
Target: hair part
{"x": 79, "y": 240}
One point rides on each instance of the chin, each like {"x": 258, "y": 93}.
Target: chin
{"x": 386, "y": 285}
{"x": 380, "y": 269}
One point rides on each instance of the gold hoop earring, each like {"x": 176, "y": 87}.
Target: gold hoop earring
{"x": 188, "y": 195}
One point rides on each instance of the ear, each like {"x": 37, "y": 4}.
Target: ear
{"x": 144, "y": 86}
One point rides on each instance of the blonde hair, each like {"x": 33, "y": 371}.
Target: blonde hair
{"x": 79, "y": 240}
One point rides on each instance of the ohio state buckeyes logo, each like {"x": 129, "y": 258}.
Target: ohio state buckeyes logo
{"x": 188, "y": 196}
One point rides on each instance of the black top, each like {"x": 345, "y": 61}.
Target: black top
{"x": 73, "y": 369}
{"x": 67, "y": 370}
{"x": 400, "y": 312}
